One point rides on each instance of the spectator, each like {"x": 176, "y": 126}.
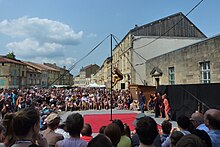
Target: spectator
{"x": 74, "y": 125}
{"x": 26, "y": 126}
{"x": 124, "y": 140}
{"x": 62, "y": 130}
{"x": 175, "y": 137}
{"x": 102, "y": 129}
{"x": 166, "y": 128}
{"x": 53, "y": 121}
{"x": 127, "y": 131}
{"x": 183, "y": 123}
{"x": 204, "y": 136}
{"x": 197, "y": 120}
{"x": 212, "y": 121}
{"x": 135, "y": 140}
{"x": 100, "y": 141}
{"x": 2, "y": 135}
{"x": 7, "y": 123}
{"x": 190, "y": 140}
{"x": 147, "y": 131}
{"x": 86, "y": 132}
{"x": 114, "y": 133}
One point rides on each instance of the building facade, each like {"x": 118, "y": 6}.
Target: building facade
{"x": 84, "y": 78}
{"x": 149, "y": 41}
{"x": 65, "y": 78}
{"x": 193, "y": 64}
{"x": 12, "y": 73}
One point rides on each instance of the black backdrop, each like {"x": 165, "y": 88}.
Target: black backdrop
{"x": 184, "y": 99}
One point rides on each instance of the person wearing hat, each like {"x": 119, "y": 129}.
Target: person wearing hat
{"x": 135, "y": 139}
{"x": 53, "y": 121}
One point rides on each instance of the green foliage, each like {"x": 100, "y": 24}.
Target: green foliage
{"x": 11, "y": 55}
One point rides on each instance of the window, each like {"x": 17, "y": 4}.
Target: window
{"x": 15, "y": 82}
{"x": 171, "y": 75}
{"x": 2, "y": 82}
{"x": 205, "y": 72}
{"x": 15, "y": 72}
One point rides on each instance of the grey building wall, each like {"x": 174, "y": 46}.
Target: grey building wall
{"x": 186, "y": 62}
{"x": 156, "y": 48}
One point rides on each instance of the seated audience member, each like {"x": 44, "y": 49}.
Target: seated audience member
{"x": 62, "y": 130}
{"x": 124, "y": 140}
{"x": 53, "y": 121}
{"x": 74, "y": 125}
{"x": 135, "y": 140}
{"x": 212, "y": 121}
{"x": 2, "y": 135}
{"x": 26, "y": 127}
{"x": 86, "y": 132}
{"x": 102, "y": 129}
{"x": 183, "y": 124}
{"x": 166, "y": 128}
{"x": 147, "y": 131}
{"x": 190, "y": 140}
{"x": 197, "y": 120}
{"x": 134, "y": 105}
{"x": 7, "y": 123}
{"x": 204, "y": 136}
{"x": 127, "y": 131}
{"x": 100, "y": 141}
{"x": 175, "y": 137}
{"x": 113, "y": 132}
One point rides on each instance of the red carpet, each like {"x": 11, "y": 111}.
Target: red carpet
{"x": 98, "y": 120}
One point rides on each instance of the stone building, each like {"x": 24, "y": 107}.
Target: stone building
{"x": 84, "y": 78}
{"x": 103, "y": 75}
{"x": 37, "y": 75}
{"x": 65, "y": 78}
{"x": 149, "y": 41}
{"x": 192, "y": 64}
{"x": 12, "y": 73}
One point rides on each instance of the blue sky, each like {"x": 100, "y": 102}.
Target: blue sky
{"x": 63, "y": 31}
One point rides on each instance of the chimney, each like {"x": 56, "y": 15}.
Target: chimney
{"x": 64, "y": 67}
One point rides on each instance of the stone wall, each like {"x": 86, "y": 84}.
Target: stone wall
{"x": 186, "y": 62}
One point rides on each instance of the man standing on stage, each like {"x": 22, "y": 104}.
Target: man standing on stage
{"x": 142, "y": 101}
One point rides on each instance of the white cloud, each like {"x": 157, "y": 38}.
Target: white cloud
{"x": 40, "y": 38}
{"x": 42, "y": 30}
{"x": 60, "y": 61}
{"x": 31, "y": 48}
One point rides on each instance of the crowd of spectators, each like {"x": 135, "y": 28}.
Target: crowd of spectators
{"x": 12, "y": 100}
{"x": 196, "y": 131}
{"x": 23, "y": 113}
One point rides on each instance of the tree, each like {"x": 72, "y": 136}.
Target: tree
{"x": 11, "y": 55}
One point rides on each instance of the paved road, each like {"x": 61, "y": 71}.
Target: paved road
{"x": 114, "y": 111}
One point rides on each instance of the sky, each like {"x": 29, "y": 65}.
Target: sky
{"x": 64, "y": 31}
